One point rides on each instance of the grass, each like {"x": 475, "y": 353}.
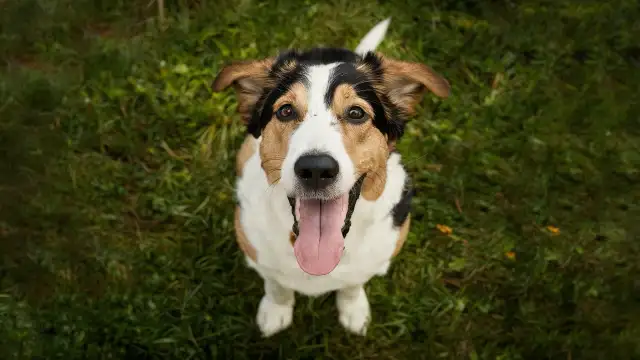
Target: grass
{"x": 116, "y": 185}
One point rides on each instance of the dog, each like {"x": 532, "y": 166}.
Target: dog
{"x": 323, "y": 198}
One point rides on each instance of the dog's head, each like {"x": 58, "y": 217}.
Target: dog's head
{"x": 326, "y": 119}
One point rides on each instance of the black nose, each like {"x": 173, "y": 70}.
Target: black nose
{"x": 316, "y": 171}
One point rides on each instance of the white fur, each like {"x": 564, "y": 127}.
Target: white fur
{"x": 267, "y": 220}
{"x": 353, "y": 308}
{"x": 373, "y": 38}
{"x": 275, "y": 311}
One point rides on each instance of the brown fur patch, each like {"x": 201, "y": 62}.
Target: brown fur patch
{"x": 292, "y": 238}
{"x": 365, "y": 144}
{"x": 402, "y": 235}
{"x": 405, "y": 82}
{"x": 276, "y": 135}
{"x": 247, "y": 149}
{"x": 241, "y": 238}
{"x": 248, "y": 78}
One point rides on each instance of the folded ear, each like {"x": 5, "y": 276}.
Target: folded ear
{"x": 249, "y": 79}
{"x": 406, "y": 82}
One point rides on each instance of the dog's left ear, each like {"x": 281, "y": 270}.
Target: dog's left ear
{"x": 406, "y": 82}
{"x": 249, "y": 78}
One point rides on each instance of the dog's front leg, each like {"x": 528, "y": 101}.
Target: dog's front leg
{"x": 353, "y": 307}
{"x": 275, "y": 312}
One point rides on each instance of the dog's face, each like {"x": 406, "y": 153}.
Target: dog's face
{"x": 326, "y": 119}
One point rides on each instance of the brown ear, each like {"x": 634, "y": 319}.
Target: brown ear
{"x": 406, "y": 82}
{"x": 249, "y": 78}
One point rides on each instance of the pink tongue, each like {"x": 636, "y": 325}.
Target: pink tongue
{"x": 319, "y": 245}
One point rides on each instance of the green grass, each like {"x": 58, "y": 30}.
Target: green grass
{"x": 116, "y": 182}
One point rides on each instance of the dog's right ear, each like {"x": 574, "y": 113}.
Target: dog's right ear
{"x": 249, "y": 78}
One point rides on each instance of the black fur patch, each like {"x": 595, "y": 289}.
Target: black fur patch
{"x": 395, "y": 124}
{"x": 347, "y": 73}
{"x": 318, "y": 56}
{"x": 401, "y": 210}
{"x": 263, "y": 110}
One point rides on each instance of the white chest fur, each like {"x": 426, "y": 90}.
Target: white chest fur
{"x": 267, "y": 220}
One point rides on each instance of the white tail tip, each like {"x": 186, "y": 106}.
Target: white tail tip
{"x": 373, "y": 38}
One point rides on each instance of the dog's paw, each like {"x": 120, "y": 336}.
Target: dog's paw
{"x": 273, "y": 318}
{"x": 355, "y": 313}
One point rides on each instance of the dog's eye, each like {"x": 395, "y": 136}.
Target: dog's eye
{"x": 285, "y": 113}
{"x": 356, "y": 113}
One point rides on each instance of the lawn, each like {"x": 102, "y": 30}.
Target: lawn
{"x": 117, "y": 175}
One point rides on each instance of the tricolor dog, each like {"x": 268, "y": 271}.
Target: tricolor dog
{"x": 323, "y": 200}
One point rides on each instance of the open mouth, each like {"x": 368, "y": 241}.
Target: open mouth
{"x": 320, "y": 227}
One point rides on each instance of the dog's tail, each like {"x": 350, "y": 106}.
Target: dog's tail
{"x": 373, "y": 38}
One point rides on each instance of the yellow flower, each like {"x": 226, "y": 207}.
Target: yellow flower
{"x": 444, "y": 229}
{"x": 554, "y": 230}
{"x": 510, "y": 255}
